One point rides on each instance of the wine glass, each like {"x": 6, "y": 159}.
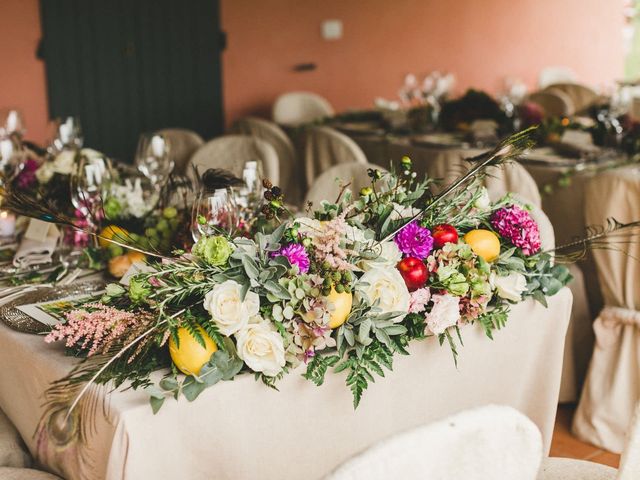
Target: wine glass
{"x": 10, "y": 158}
{"x": 214, "y": 211}
{"x": 249, "y": 194}
{"x": 88, "y": 182}
{"x": 68, "y": 134}
{"x": 153, "y": 159}
{"x": 11, "y": 123}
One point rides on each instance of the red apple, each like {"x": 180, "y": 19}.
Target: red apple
{"x": 444, "y": 233}
{"x": 414, "y": 272}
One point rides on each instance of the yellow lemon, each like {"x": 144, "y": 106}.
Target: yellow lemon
{"x": 112, "y": 232}
{"x": 119, "y": 265}
{"x": 136, "y": 256}
{"x": 341, "y": 307}
{"x": 484, "y": 243}
{"x": 189, "y": 357}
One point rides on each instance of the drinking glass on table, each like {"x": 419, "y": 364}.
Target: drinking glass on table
{"x": 214, "y": 212}
{"x": 153, "y": 158}
{"x": 248, "y": 195}
{"x": 68, "y": 134}
{"x": 88, "y": 183}
{"x": 11, "y": 123}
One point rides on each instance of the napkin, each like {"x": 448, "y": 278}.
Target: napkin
{"x": 34, "y": 252}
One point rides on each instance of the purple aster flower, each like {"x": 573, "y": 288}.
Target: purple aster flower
{"x": 296, "y": 254}
{"x": 516, "y": 225}
{"x": 414, "y": 240}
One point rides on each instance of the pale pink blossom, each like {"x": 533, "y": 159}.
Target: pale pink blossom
{"x": 418, "y": 300}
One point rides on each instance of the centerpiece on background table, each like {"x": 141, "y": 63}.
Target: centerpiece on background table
{"x": 343, "y": 289}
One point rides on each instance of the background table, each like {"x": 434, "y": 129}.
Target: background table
{"x": 243, "y": 430}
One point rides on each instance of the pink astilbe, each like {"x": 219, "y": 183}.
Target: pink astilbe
{"x": 97, "y": 329}
{"x": 327, "y": 244}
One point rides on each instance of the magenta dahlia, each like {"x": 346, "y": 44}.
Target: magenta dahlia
{"x": 414, "y": 240}
{"x": 296, "y": 254}
{"x": 516, "y": 225}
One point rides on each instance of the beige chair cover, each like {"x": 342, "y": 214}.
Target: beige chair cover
{"x": 630, "y": 461}
{"x": 326, "y": 147}
{"x": 487, "y": 443}
{"x": 612, "y": 387}
{"x": 9, "y": 473}
{"x": 13, "y": 452}
{"x": 298, "y": 108}
{"x": 556, "y": 74}
{"x": 290, "y": 168}
{"x": 327, "y": 188}
{"x": 554, "y": 103}
{"x": 581, "y": 96}
{"x": 512, "y": 177}
{"x": 182, "y": 144}
{"x": 555, "y": 468}
{"x": 231, "y": 152}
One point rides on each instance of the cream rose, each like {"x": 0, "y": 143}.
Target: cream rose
{"x": 64, "y": 162}
{"x": 386, "y": 286}
{"x": 44, "y": 173}
{"x": 509, "y": 287}
{"x": 388, "y": 256}
{"x": 445, "y": 313}
{"x": 228, "y": 311}
{"x": 261, "y": 347}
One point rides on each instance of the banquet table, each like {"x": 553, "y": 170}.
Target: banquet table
{"x": 243, "y": 430}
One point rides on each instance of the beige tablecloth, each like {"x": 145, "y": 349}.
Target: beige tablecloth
{"x": 243, "y": 430}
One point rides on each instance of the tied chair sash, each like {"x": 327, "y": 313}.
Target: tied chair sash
{"x": 610, "y": 322}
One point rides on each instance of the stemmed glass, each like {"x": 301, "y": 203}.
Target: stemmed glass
{"x": 214, "y": 211}
{"x": 88, "y": 183}
{"x": 153, "y": 159}
{"x": 68, "y": 134}
{"x": 249, "y": 194}
{"x": 11, "y": 123}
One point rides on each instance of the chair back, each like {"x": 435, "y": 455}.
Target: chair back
{"x": 297, "y": 108}
{"x": 582, "y": 97}
{"x": 329, "y": 184}
{"x": 13, "y": 452}
{"x": 554, "y": 103}
{"x": 326, "y": 147}
{"x": 484, "y": 443}
{"x": 291, "y": 175}
{"x": 182, "y": 144}
{"x": 550, "y": 75}
{"x": 231, "y": 152}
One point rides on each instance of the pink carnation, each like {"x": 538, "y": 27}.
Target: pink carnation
{"x": 414, "y": 240}
{"x": 516, "y": 225}
{"x": 418, "y": 300}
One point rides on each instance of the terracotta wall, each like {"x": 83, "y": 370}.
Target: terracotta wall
{"x": 481, "y": 41}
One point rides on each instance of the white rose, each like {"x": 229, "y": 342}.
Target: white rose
{"x": 64, "y": 162}
{"x": 388, "y": 256}
{"x": 509, "y": 287}
{"x": 444, "y": 314}
{"x": 387, "y": 286}
{"x": 261, "y": 347}
{"x": 227, "y": 310}
{"x": 45, "y": 172}
{"x": 483, "y": 202}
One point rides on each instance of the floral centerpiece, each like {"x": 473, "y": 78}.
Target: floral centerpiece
{"x": 344, "y": 289}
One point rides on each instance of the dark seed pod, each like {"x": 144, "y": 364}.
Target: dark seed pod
{"x": 277, "y": 191}
{"x": 267, "y": 184}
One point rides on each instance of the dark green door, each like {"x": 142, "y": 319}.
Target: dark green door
{"x": 128, "y": 66}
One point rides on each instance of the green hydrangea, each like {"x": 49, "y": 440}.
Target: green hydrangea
{"x": 214, "y": 250}
{"x": 112, "y": 208}
{"x": 139, "y": 289}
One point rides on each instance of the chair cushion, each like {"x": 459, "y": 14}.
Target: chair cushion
{"x": 571, "y": 469}
{"x": 9, "y": 473}
{"x": 13, "y": 452}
